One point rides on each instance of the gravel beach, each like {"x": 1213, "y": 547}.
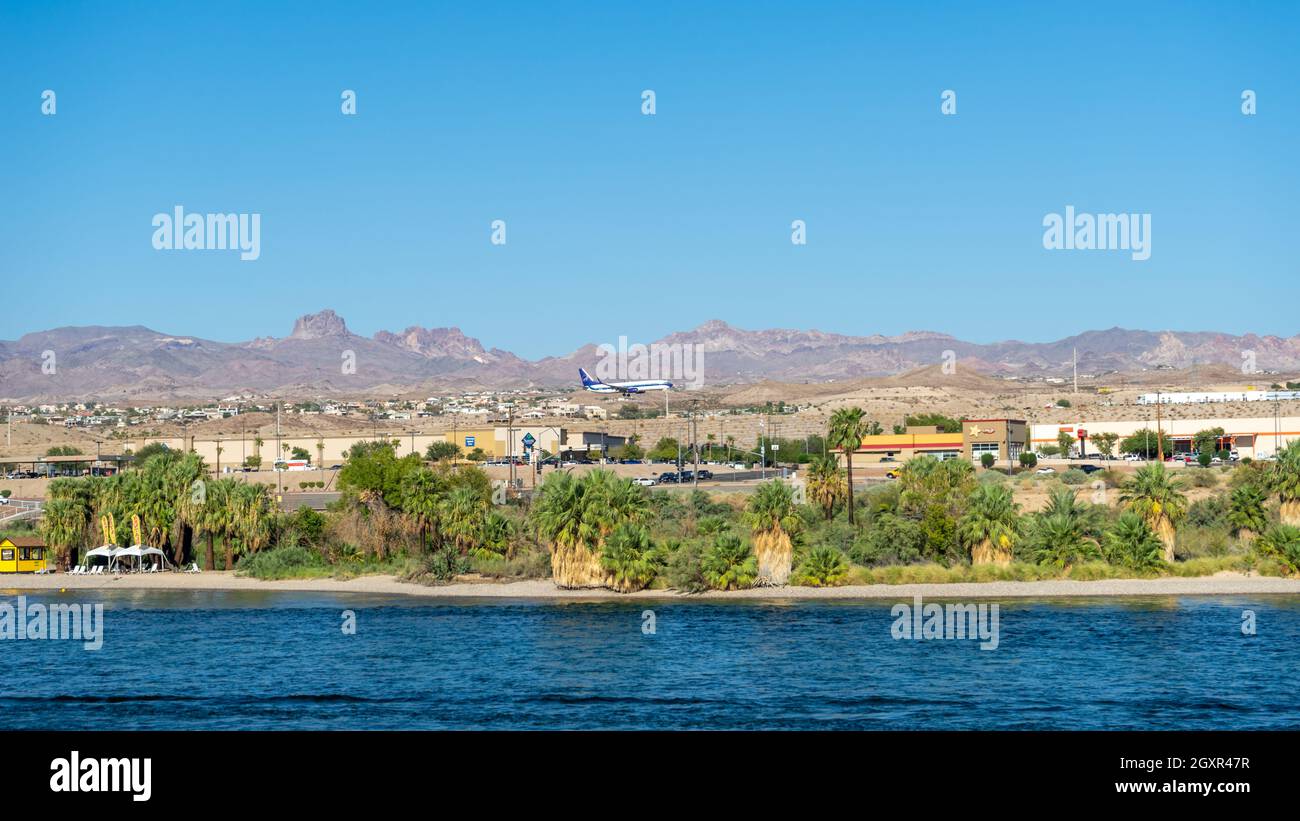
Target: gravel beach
{"x": 1218, "y": 585}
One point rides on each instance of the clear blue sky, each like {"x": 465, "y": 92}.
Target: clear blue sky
{"x": 620, "y": 223}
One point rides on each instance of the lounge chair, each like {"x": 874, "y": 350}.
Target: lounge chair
{"x": 193, "y": 568}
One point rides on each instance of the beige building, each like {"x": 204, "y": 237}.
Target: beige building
{"x": 1253, "y": 437}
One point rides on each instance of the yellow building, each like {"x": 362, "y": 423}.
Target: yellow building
{"x": 21, "y": 554}
{"x": 899, "y": 447}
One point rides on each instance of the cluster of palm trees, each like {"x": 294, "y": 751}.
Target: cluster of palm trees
{"x": 174, "y": 501}
{"x": 991, "y": 530}
{"x": 596, "y": 527}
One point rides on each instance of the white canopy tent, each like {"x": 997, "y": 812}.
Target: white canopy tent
{"x": 153, "y": 551}
{"x": 134, "y": 552}
{"x": 104, "y": 552}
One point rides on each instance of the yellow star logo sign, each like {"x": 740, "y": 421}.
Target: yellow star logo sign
{"x": 974, "y": 431}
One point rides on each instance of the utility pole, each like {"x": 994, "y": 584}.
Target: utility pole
{"x": 695, "y": 448}
{"x": 1076, "y": 370}
{"x": 510, "y": 445}
{"x": 1160, "y": 439}
{"x": 279, "y": 474}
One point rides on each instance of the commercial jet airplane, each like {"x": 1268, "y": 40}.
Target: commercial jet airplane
{"x": 596, "y": 386}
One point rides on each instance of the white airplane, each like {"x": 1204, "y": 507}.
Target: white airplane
{"x": 596, "y": 386}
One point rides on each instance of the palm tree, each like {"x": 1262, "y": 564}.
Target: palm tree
{"x": 463, "y": 514}
{"x": 629, "y": 556}
{"x": 1059, "y": 540}
{"x": 422, "y": 494}
{"x": 1246, "y": 514}
{"x": 825, "y": 484}
{"x": 576, "y": 516}
{"x": 990, "y": 525}
{"x": 65, "y": 524}
{"x": 1132, "y": 544}
{"x": 1158, "y": 499}
{"x": 729, "y": 564}
{"x": 847, "y": 427}
{"x": 215, "y": 519}
{"x": 251, "y": 518}
{"x": 1285, "y": 482}
{"x": 257, "y": 447}
{"x": 824, "y": 567}
{"x": 1283, "y": 543}
{"x": 770, "y": 515}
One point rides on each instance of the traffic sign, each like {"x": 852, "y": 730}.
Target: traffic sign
{"x": 528, "y": 440}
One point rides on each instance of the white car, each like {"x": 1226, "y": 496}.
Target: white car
{"x": 1132, "y": 457}
{"x": 4, "y": 500}
{"x": 644, "y": 481}
{"x": 1045, "y": 471}
{"x": 738, "y": 466}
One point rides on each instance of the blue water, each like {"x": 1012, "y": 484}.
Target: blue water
{"x": 180, "y": 660}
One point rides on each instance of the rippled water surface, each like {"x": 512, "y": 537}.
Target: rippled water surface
{"x": 175, "y": 660}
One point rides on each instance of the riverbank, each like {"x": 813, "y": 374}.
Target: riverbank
{"x": 1221, "y": 584}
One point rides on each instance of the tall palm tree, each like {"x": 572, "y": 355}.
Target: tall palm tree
{"x": 847, "y": 428}
{"x": 215, "y": 519}
{"x": 991, "y": 525}
{"x": 771, "y": 517}
{"x": 65, "y": 524}
{"x": 826, "y": 485}
{"x": 1285, "y": 482}
{"x": 1158, "y": 498}
{"x": 1246, "y": 514}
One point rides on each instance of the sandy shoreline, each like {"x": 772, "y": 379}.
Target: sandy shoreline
{"x": 1218, "y": 585}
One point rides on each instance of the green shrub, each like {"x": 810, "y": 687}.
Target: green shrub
{"x": 1195, "y": 542}
{"x": 823, "y": 567}
{"x": 1202, "y": 478}
{"x": 527, "y": 564}
{"x": 1073, "y": 476}
{"x": 439, "y": 565}
{"x": 683, "y": 570}
{"x": 292, "y": 562}
{"x": 1211, "y": 511}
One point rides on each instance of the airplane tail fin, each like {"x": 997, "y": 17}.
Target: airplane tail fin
{"x": 586, "y": 378}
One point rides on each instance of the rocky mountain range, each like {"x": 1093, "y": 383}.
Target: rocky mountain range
{"x": 321, "y": 356}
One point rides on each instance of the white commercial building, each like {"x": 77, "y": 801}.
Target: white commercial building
{"x": 1252, "y": 437}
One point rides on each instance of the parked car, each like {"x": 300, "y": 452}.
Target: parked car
{"x": 705, "y": 474}
{"x": 644, "y": 481}
{"x": 739, "y": 466}
{"x": 1045, "y": 471}
{"x": 1132, "y": 457}
{"x": 1090, "y": 468}
{"x": 893, "y": 474}
{"x": 669, "y": 479}
{"x": 4, "y": 500}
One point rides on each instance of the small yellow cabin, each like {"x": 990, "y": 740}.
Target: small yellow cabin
{"x": 22, "y": 554}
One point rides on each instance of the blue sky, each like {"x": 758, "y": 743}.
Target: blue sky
{"x": 623, "y": 224}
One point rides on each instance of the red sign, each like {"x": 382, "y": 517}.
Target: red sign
{"x": 1083, "y": 434}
